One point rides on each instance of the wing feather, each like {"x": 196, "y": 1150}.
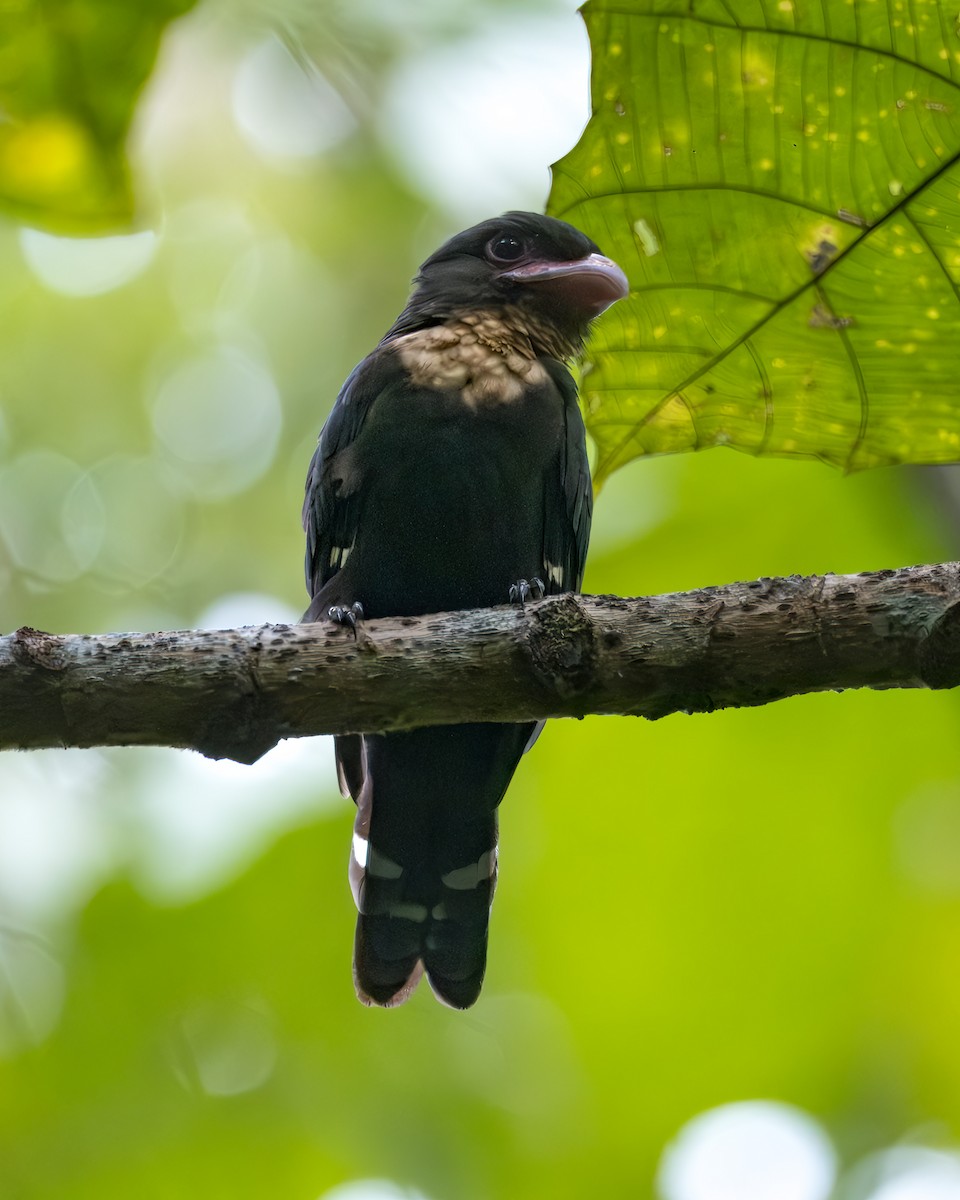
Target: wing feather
{"x": 569, "y": 508}
{"x": 332, "y": 500}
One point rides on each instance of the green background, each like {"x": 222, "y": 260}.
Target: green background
{"x": 752, "y": 904}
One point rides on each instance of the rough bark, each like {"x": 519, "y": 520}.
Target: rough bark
{"x": 235, "y": 693}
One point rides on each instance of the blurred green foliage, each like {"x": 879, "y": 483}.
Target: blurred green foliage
{"x": 70, "y": 73}
{"x": 780, "y": 181}
{"x": 762, "y": 903}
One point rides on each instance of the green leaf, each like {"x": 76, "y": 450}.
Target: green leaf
{"x": 70, "y": 73}
{"x": 780, "y": 180}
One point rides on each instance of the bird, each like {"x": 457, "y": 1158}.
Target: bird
{"x": 451, "y": 474}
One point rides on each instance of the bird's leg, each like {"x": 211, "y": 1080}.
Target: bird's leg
{"x": 349, "y": 615}
{"x": 526, "y": 589}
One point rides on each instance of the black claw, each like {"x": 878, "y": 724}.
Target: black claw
{"x": 341, "y": 615}
{"x": 521, "y": 591}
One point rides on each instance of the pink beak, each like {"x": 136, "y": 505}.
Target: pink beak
{"x": 592, "y": 283}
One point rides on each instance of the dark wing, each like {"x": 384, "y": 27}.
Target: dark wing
{"x": 568, "y": 509}
{"x": 331, "y": 513}
{"x": 332, "y": 501}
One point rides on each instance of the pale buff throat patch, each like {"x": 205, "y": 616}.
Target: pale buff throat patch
{"x": 480, "y": 356}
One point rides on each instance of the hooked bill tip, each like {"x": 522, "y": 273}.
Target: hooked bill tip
{"x": 592, "y": 283}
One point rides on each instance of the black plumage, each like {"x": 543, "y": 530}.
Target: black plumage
{"x": 451, "y": 470}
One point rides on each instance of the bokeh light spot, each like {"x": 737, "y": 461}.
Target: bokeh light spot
{"x": 34, "y": 493}
{"x": 87, "y": 266}
{"x": 755, "y": 1150}
{"x": 83, "y": 521}
{"x": 475, "y": 123}
{"x": 54, "y": 843}
{"x": 246, "y": 608}
{"x": 233, "y": 1046}
{"x": 144, "y": 522}
{"x": 31, "y": 990}
{"x": 218, "y": 415}
{"x": 905, "y": 1173}
{"x": 204, "y": 241}
{"x": 371, "y": 1189}
{"x": 286, "y": 110}
{"x": 201, "y": 822}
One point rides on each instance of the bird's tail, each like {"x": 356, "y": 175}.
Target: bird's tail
{"x": 424, "y": 863}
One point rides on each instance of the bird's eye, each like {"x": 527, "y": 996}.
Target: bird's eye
{"x": 505, "y": 249}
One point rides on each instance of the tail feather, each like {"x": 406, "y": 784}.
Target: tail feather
{"x": 392, "y": 950}
{"x": 455, "y": 947}
{"x": 424, "y": 861}
{"x": 382, "y": 974}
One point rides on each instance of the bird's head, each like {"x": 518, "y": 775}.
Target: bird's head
{"x": 543, "y": 275}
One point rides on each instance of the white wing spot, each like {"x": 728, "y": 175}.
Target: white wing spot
{"x": 464, "y": 878}
{"x": 412, "y": 912}
{"x": 380, "y": 866}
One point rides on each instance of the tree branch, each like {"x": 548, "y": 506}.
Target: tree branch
{"x": 236, "y": 693}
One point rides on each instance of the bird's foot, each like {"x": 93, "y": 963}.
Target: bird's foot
{"x": 349, "y": 615}
{"x": 526, "y": 589}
